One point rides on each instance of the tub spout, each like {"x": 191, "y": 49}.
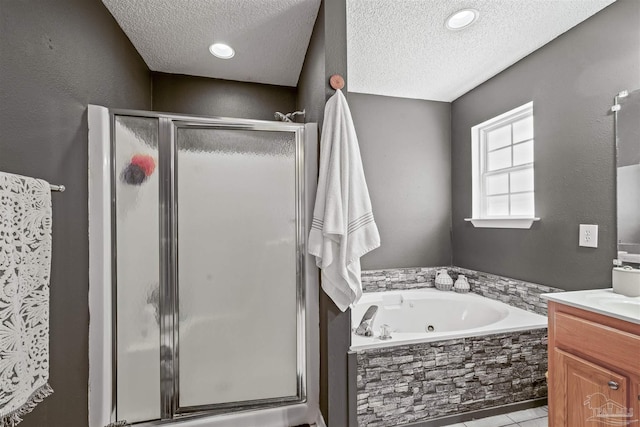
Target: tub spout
{"x": 364, "y": 328}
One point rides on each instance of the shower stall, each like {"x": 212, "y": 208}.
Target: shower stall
{"x": 203, "y": 301}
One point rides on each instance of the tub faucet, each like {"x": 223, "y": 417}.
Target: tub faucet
{"x": 364, "y": 328}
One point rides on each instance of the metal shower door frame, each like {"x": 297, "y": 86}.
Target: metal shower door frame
{"x": 168, "y": 125}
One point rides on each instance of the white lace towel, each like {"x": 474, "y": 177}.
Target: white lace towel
{"x": 343, "y": 228}
{"x": 25, "y": 263}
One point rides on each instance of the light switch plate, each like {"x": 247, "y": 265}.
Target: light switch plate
{"x": 588, "y": 235}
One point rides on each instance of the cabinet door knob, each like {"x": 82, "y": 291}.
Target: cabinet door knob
{"x": 613, "y": 385}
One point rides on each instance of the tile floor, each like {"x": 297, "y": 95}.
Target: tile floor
{"x": 534, "y": 417}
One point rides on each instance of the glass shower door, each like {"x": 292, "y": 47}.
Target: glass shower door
{"x": 208, "y": 284}
{"x": 237, "y": 266}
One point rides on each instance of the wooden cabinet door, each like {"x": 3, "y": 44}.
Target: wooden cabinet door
{"x": 634, "y": 398}
{"x": 593, "y": 396}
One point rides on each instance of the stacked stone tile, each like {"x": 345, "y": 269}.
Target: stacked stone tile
{"x": 518, "y": 293}
{"x": 398, "y": 279}
{"x": 419, "y": 382}
{"x": 399, "y": 385}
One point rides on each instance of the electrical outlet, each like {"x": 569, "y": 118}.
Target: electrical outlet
{"x": 588, "y": 235}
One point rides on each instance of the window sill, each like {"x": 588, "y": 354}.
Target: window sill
{"x": 523, "y": 223}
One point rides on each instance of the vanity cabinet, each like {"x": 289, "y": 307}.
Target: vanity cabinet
{"x": 594, "y": 369}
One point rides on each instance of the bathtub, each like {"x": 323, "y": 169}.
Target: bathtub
{"x": 451, "y": 357}
{"x": 427, "y": 315}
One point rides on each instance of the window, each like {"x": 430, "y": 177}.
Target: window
{"x": 502, "y": 157}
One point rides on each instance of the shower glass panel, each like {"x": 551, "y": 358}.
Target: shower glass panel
{"x": 237, "y": 261}
{"x": 208, "y": 275}
{"x": 135, "y": 181}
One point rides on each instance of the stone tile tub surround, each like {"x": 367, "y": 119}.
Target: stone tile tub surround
{"x": 427, "y": 381}
{"x": 517, "y": 293}
{"x": 420, "y": 382}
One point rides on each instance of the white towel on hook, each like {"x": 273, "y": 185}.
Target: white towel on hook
{"x": 343, "y": 228}
{"x": 25, "y": 260}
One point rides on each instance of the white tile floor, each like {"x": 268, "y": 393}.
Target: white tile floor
{"x": 534, "y": 417}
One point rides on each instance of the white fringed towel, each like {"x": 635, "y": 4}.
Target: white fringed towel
{"x": 343, "y": 228}
{"x": 25, "y": 263}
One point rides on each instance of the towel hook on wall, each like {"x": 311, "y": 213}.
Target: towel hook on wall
{"x": 336, "y": 81}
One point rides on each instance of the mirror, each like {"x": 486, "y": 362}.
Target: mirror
{"x": 627, "y": 130}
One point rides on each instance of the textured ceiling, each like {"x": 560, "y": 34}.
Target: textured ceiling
{"x": 395, "y": 47}
{"x": 402, "y": 47}
{"x": 270, "y": 36}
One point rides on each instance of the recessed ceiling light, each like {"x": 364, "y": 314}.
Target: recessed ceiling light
{"x": 222, "y": 51}
{"x": 462, "y": 19}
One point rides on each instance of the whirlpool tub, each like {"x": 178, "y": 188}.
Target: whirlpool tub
{"x": 426, "y": 315}
{"x": 451, "y": 358}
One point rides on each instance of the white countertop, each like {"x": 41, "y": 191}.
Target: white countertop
{"x": 602, "y": 301}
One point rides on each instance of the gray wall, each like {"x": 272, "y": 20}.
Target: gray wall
{"x": 406, "y": 154}
{"x": 56, "y": 57}
{"x": 572, "y": 82}
{"x": 175, "y": 93}
{"x": 335, "y": 326}
{"x": 327, "y": 55}
{"x": 311, "y": 84}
